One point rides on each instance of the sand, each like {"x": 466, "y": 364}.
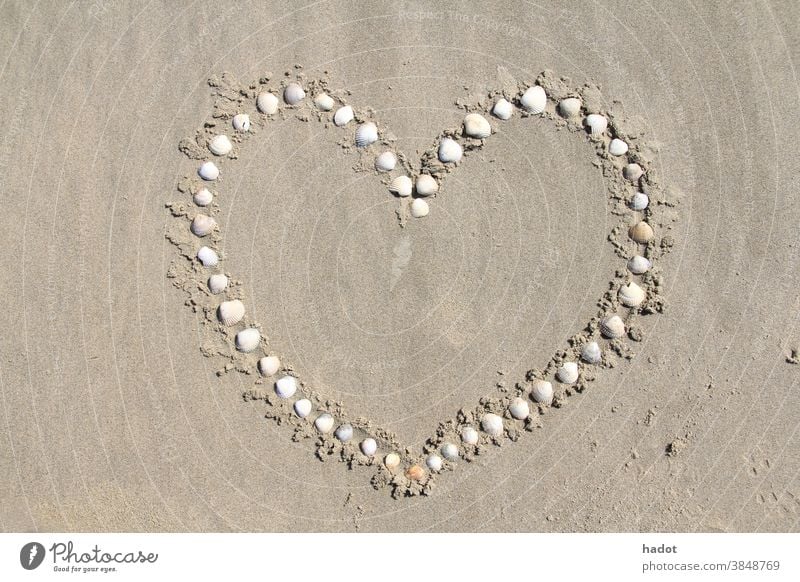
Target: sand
{"x": 121, "y": 414}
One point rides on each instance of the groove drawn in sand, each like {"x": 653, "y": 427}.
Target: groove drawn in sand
{"x": 639, "y": 239}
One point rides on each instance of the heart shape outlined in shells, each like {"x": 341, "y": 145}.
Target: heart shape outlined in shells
{"x": 634, "y": 290}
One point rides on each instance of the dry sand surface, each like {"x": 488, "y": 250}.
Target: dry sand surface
{"x": 116, "y": 414}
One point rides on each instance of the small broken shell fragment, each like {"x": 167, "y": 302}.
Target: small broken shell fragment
{"x": 208, "y": 171}
{"x": 426, "y": 185}
{"x": 293, "y": 94}
{"x": 344, "y": 432}
{"x": 286, "y": 387}
{"x": 230, "y": 312}
{"x": 366, "y": 134}
{"x": 302, "y": 407}
{"x": 542, "y": 392}
{"x": 596, "y": 123}
{"x": 208, "y": 257}
{"x": 267, "y": 103}
{"x": 419, "y": 208}
{"x": 641, "y": 232}
{"x": 220, "y": 145}
{"x": 469, "y": 435}
{"x": 343, "y": 116}
{"x": 631, "y": 295}
{"x": 639, "y": 265}
{"x": 269, "y": 365}
{"x": 324, "y": 102}
{"x": 401, "y": 186}
{"x": 519, "y": 409}
{"x": 567, "y": 373}
{"x": 386, "y": 162}
{"x": 368, "y": 446}
{"x": 632, "y": 172}
{"x": 450, "y": 151}
{"x": 415, "y": 473}
{"x": 241, "y": 122}
{"x": 503, "y": 109}
{"x": 203, "y": 225}
{"x": 392, "y": 461}
{"x": 612, "y": 327}
{"x": 617, "y": 147}
{"x": 534, "y": 99}
{"x": 492, "y": 424}
{"x": 324, "y": 423}
{"x": 477, "y": 126}
{"x": 203, "y": 197}
{"x": 639, "y": 201}
{"x": 591, "y": 353}
{"x": 248, "y": 339}
{"x": 569, "y": 107}
{"x": 434, "y": 463}
{"x": 450, "y": 451}
{"x": 217, "y": 283}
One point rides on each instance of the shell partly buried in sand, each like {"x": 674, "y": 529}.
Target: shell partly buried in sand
{"x": 208, "y": 257}
{"x": 230, "y": 312}
{"x": 641, "y": 232}
{"x": 220, "y": 145}
{"x": 415, "y": 473}
{"x": 426, "y": 185}
{"x": 542, "y": 391}
{"x": 591, "y": 353}
{"x": 631, "y": 295}
{"x": 248, "y": 340}
{"x": 217, "y": 283}
{"x": 567, "y": 373}
{"x": 519, "y": 409}
{"x": 241, "y": 122}
{"x": 267, "y": 103}
{"x": 293, "y": 94}
{"x": 612, "y": 327}
{"x": 534, "y": 100}
{"x": 286, "y": 387}
{"x": 419, "y": 208}
{"x": 269, "y": 365}
{"x": 208, "y": 171}
{"x": 569, "y": 107}
{"x": 203, "y": 225}
{"x": 368, "y": 446}
{"x": 477, "y": 126}
{"x": 203, "y": 197}
{"x": 386, "y": 162}
{"x": 343, "y": 116}
{"x": 503, "y": 109}
{"x": 324, "y": 423}
{"x": 639, "y": 265}
{"x": 366, "y": 134}
{"x": 596, "y": 123}
{"x": 303, "y": 407}
{"x": 401, "y": 186}
{"x": 492, "y": 424}
{"x": 632, "y": 172}
{"x": 450, "y": 151}
{"x": 324, "y": 102}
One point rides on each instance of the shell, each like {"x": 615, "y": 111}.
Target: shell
{"x": 591, "y": 353}
{"x": 203, "y": 225}
{"x": 469, "y": 435}
{"x": 324, "y": 102}
{"x": 503, "y": 110}
{"x": 567, "y": 373}
{"x": 366, "y": 134}
{"x": 220, "y": 145}
{"x": 269, "y": 365}
{"x": 450, "y": 451}
{"x": 386, "y": 162}
{"x": 368, "y": 446}
{"x": 639, "y": 201}
{"x": 415, "y": 473}
{"x": 203, "y": 197}
{"x": 569, "y": 107}
{"x": 343, "y": 116}
{"x": 241, "y": 122}
{"x": 286, "y": 387}
{"x": 208, "y": 171}
{"x": 248, "y": 339}
{"x": 208, "y": 257}
{"x": 293, "y": 94}
{"x": 344, "y": 432}
{"x": 632, "y": 172}
{"x": 492, "y": 424}
{"x": 217, "y": 283}
{"x": 641, "y": 232}
{"x": 617, "y": 147}
{"x": 302, "y": 407}
{"x": 230, "y": 312}
{"x": 434, "y": 463}
{"x": 612, "y": 327}
{"x": 419, "y": 208}
{"x": 639, "y": 265}
{"x": 534, "y": 99}
{"x": 631, "y": 295}
{"x": 426, "y": 185}
{"x": 267, "y": 103}
{"x": 450, "y": 151}
{"x": 324, "y": 423}
{"x": 542, "y": 392}
{"x": 596, "y": 123}
{"x": 519, "y": 409}
{"x": 476, "y": 125}
{"x": 401, "y": 186}
{"x": 392, "y": 461}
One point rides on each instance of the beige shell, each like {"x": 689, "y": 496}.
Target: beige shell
{"x": 267, "y": 103}
{"x": 632, "y": 172}
{"x": 569, "y": 107}
{"x": 324, "y": 102}
{"x": 542, "y": 392}
{"x": 519, "y": 409}
{"x": 567, "y": 373}
{"x": 492, "y": 424}
{"x": 220, "y": 145}
{"x": 426, "y": 185}
{"x": 401, "y": 186}
{"x": 293, "y": 94}
{"x": 343, "y": 116}
{"x": 269, "y": 365}
{"x": 203, "y": 225}
{"x": 534, "y": 99}
{"x": 392, "y": 461}
{"x": 208, "y": 171}
{"x": 248, "y": 340}
{"x": 419, "y": 208}
{"x": 477, "y": 126}
{"x": 230, "y": 312}
{"x": 631, "y": 295}
{"x": 641, "y": 232}
{"x": 217, "y": 283}
{"x": 612, "y": 327}
{"x": 415, "y": 473}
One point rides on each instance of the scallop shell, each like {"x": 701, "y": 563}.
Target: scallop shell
{"x": 569, "y": 107}
{"x": 419, "y": 208}
{"x": 612, "y": 327}
{"x": 241, "y": 122}
{"x": 503, "y": 109}
{"x": 344, "y": 432}
{"x": 542, "y": 392}
{"x": 267, "y": 103}
{"x": 469, "y": 435}
{"x": 641, "y": 232}
{"x": 203, "y": 197}
{"x": 519, "y": 409}
{"x": 477, "y": 126}
{"x": 324, "y": 423}
{"x": 567, "y": 373}
{"x": 217, "y": 283}
{"x": 208, "y": 257}
{"x": 434, "y": 463}
{"x": 248, "y": 339}
{"x": 591, "y": 353}
{"x": 631, "y": 295}
{"x": 450, "y": 451}
{"x": 208, "y": 171}
{"x": 632, "y": 172}
{"x": 269, "y": 365}
{"x": 293, "y": 94}
{"x": 392, "y": 461}
{"x": 343, "y": 116}
{"x": 639, "y": 265}
{"x": 450, "y": 151}
{"x": 286, "y": 387}
{"x": 415, "y": 473}
{"x": 534, "y": 100}
{"x": 324, "y": 102}
{"x": 596, "y": 123}
{"x": 366, "y": 134}
{"x": 368, "y": 446}
{"x": 386, "y": 162}
{"x": 220, "y": 145}
{"x": 401, "y": 186}
{"x": 426, "y": 185}
{"x": 492, "y": 424}
{"x": 302, "y": 407}
{"x": 230, "y": 312}
{"x": 203, "y": 225}
{"x": 617, "y": 147}
{"x": 639, "y": 201}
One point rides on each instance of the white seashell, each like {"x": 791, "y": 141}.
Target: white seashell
{"x": 612, "y": 327}
{"x": 631, "y": 295}
{"x": 217, "y": 283}
{"x": 324, "y": 102}
{"x": 591, "y": 353}
{"x": 368, "y": 446}
{"x": 639, "y": 201}
{"x": 450, "y": 451}
{"x": 534, "y": 100}
{"x": 596, "y": 123}
{"x": 542, "y": 392}
{"x": 203, "y": 225}
{"x": 248, "y": 339}
{"x": 220, "y": 145}
{"x": 324, "y": 423}
{"x": 208, "y": 257}
{"x": 385, "y": 162}
{"x": 641, "y": 232}
{"x": 366, "y": 134}
{"x": 632, "y": 172}
{"x": 343, "y": 116}
{"x": 302, "y": 407}
{"x": 426, "y": 185}
{"x": 503, "y": 109}
{"x": 434, "y": 463}
{"x": 401, "y": 186}
{"x": 567, "y": 373}
{"x": 477, "y": 126}
{"x": 344, "y": 432}
{"x": 519, "y": 409}
{"x": 267, "y": 103}
{"x": 450, "y": 151}
{"x": 269, "y": 365}
{"x": 419, "y": 208}
{"x": 230, "y": 312}
{"x": 286, "y": 387}
{"x": 241, "y": 122}
{"x": 492, "y": 424}
{"x": 293, "y": 94}
{"x": 469, "y": 435}
{"x": 639, "y": 265}
{"x": 569, "y": 107}
{"x": 208, "y": 171}
{"x": 203, "y": 197}
{"x": 617, "y": 147}
{"x": 392, "y": 461}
